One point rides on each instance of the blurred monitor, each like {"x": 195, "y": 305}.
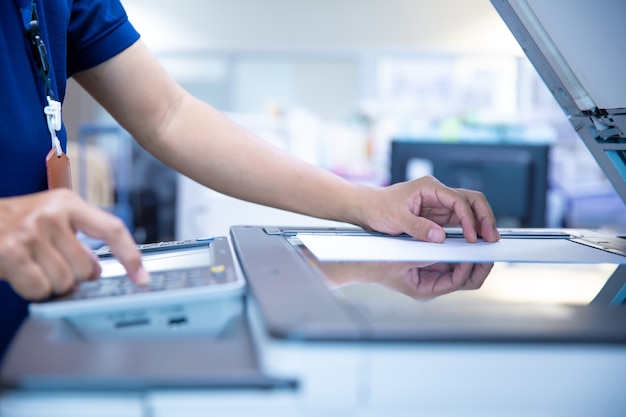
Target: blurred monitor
{"x": 512, "y": 176}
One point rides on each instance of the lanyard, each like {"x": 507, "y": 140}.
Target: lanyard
{"x": 52, "y": 111}
{"x": 57, "y": 163}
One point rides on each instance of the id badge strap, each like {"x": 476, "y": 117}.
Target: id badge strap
{"x": 57, "y": 162}
{"x": 58, "y": 170}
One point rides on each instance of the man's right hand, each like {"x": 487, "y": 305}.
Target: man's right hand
{"x": 39, "y": 252}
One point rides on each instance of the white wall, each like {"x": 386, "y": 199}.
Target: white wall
{"x": 441, "y": 25}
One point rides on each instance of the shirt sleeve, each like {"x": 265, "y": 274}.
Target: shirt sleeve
{"x": 97, "y": 31}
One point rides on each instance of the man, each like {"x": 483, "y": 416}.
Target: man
{"x": 44, "y": 43}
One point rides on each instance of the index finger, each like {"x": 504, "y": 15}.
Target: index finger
{"x": 457, "y": 201}
{"x": 485, "y": 220}
{"x": 99, "y": 224}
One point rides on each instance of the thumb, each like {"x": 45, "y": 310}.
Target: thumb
{"x": 424, "y": 229}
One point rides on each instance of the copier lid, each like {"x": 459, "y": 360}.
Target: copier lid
{"x": 577, "y": 49}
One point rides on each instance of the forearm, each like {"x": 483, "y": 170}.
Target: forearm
{"x": 205, "y": 145}
{"x": 200, "y": 142}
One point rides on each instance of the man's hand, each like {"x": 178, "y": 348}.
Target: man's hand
{"x": 421, "y": 207}
{"x": 39, "y": 252}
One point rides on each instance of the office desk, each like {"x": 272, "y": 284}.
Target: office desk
{"x": 375, "y": 379}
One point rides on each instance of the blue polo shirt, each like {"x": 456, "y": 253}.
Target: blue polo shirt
{"x": 78, "y": 35}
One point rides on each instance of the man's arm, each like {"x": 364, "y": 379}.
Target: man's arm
{"x": 200, "y": 142}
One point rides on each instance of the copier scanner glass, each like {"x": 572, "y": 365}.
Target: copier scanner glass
{"x": 436, "y": 284}
{"x": 349, "y": 284}
{"x": 502, "y": 292}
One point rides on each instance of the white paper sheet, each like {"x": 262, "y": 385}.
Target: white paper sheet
{"x": 375, "y": 248}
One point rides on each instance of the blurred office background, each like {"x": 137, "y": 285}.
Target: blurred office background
{"x": 359, "y": 87}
